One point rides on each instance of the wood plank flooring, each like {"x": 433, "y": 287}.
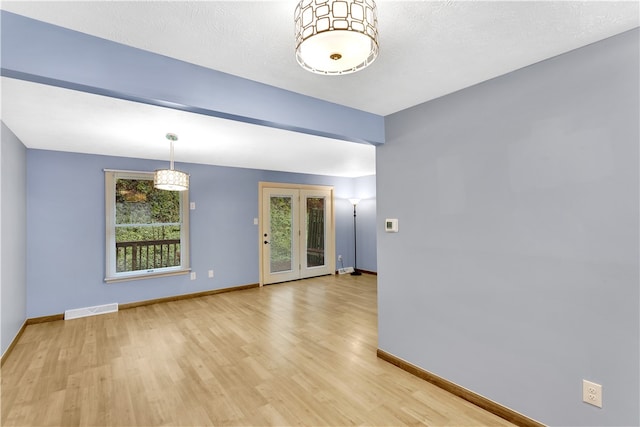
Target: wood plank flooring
{"x": 297, "y": 353}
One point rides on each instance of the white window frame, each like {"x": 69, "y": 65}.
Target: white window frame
{"x": 111, "y": 275}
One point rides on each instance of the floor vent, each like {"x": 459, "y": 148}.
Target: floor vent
{"x": 90, "y": 311}
{"x": 345, "y": 270}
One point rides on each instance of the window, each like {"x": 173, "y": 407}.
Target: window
{"x": 147, "y": 229}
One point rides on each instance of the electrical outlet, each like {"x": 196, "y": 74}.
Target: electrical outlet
{"x": 193, "y": 275}
{"x": 210, "y": 274}
{"x": 592, "y": 393}
{"x": 339, "y": 257}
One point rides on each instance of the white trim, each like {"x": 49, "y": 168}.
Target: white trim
{"x": 146, "y": 275}
{"x": 331, "y": 231}
{"x": 125, "y": 171}
{"x": 110, "y": 225}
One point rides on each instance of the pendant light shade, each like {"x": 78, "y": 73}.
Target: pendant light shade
{"x": 171, "y": 179}
{"x": 336, "y": 37}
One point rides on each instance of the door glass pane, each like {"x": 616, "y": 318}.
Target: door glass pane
{"x": 315, "y": 231}
{"x": 281, "y": 229}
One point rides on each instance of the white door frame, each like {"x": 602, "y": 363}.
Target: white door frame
{"x": 330, "y": 245}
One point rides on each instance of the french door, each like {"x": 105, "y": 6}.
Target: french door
{"x": 296, "y": 232}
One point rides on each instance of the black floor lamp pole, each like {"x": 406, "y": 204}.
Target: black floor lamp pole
{"x": 355, "y": 245}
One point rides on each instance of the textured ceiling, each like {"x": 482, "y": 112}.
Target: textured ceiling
{"x": 427, "y": 48}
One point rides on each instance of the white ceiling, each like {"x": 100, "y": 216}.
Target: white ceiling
{"x": 80, "y": 122}
{"x": 427, "y": 49}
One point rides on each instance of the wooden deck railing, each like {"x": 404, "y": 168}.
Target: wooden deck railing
{"x": 147, "y": 254}
{"x": 315, "y": 237}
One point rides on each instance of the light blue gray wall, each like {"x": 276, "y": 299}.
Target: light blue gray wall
{"x": 13, "y": 276}
{"x": 365, "y": 190}
{"x": 65, "y": 199}
{"x": 515, "y": 271}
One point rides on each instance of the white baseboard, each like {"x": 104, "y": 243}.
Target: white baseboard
{"x": 90, "y": 311}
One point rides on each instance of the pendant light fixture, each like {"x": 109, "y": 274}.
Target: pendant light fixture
{"x": 171, "y": 179}
{"x": 336, "y": 37}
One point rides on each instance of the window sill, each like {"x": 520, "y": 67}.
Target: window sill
{"x": 143, "y": 276}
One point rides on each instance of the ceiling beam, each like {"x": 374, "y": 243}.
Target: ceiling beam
{"x": 44, "y": 53}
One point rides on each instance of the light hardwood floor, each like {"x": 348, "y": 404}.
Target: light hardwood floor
{"x": 297, "y": 353}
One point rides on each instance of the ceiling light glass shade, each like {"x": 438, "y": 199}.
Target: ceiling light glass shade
{"x": 336, "y": 37}
{"x": 171, "y": 179}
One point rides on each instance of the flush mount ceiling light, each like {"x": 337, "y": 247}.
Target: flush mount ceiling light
{"x": 336, "y": 37}
{"x": 171, "y": 179}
